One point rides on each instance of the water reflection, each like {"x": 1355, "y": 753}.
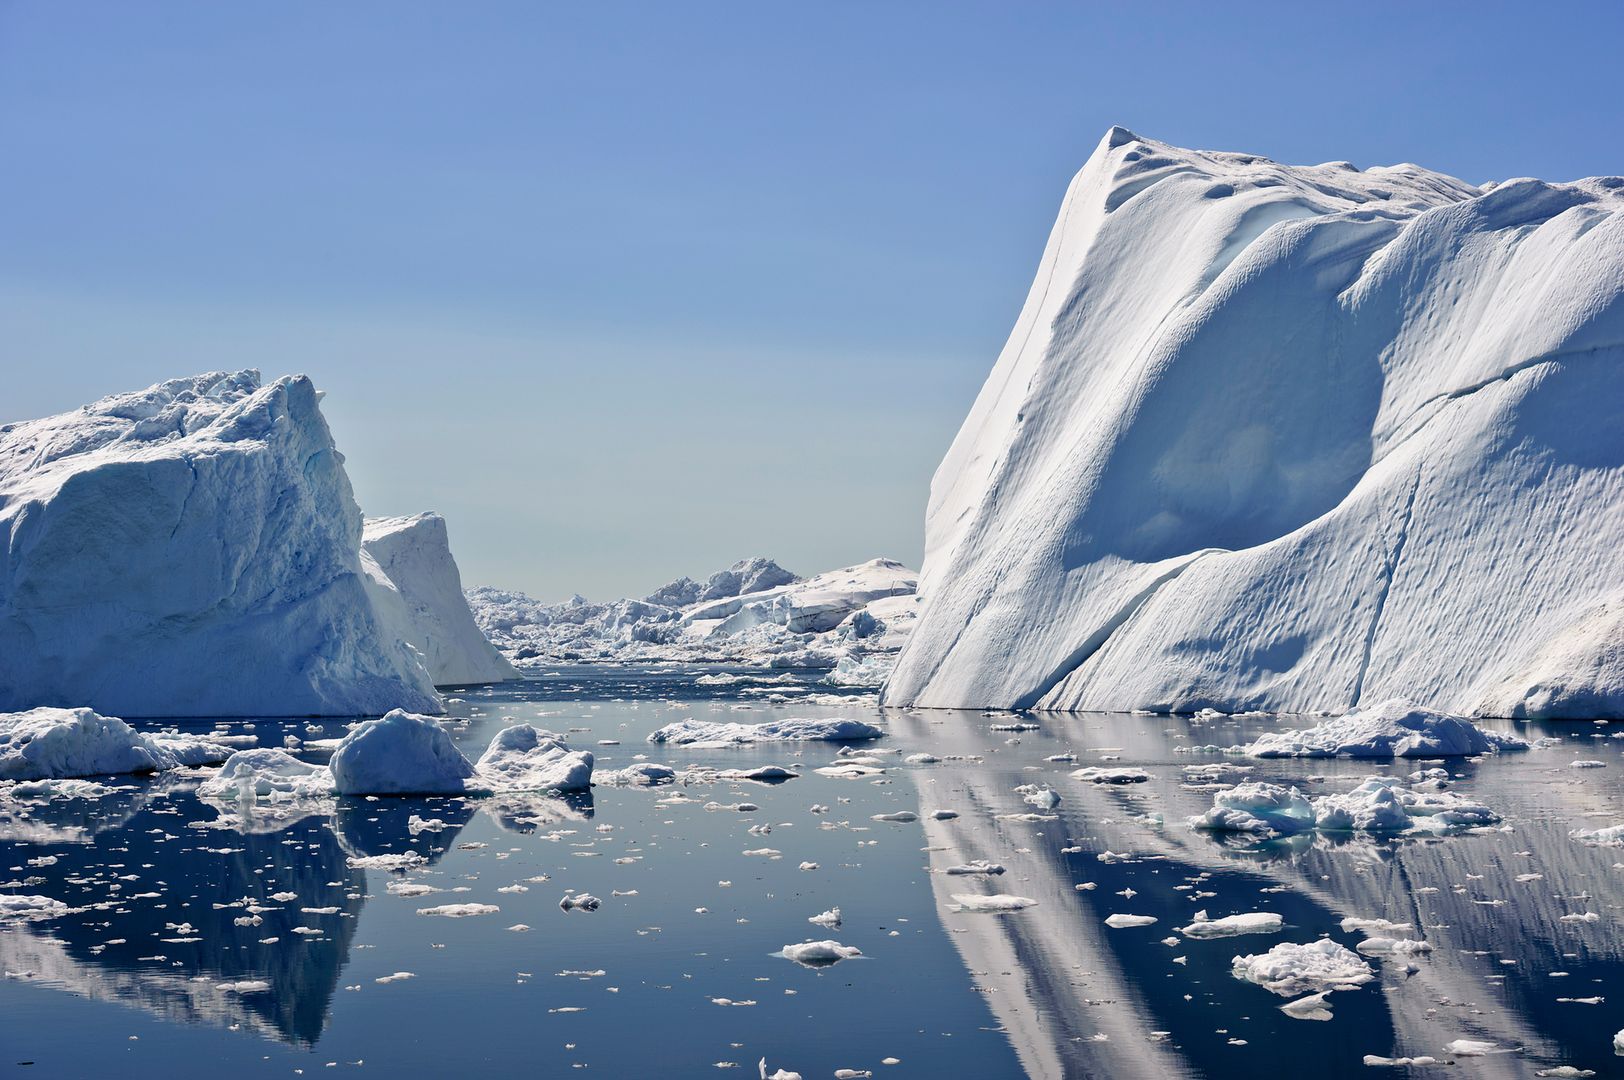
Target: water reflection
{"x": 170, "y": 913}
{"x": 1079, "y": 998}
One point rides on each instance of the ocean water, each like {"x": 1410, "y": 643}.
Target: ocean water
{"x": 205, "y": 941}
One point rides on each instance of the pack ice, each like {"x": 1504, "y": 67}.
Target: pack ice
{"x": 1296, "y": 439}
{"x": 194, "y": 548}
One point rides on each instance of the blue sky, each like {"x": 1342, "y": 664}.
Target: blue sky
{"x": 633, "y": 290}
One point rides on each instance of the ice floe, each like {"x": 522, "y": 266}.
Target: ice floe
{"x": 1291, "y": 969}
{"x": 49, "y": 743}
{"x": 1393, "y": 729}
{"x": 707, "y": 734}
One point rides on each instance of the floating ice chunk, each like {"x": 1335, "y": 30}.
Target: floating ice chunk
{"x": 1120, "y": 921}
{"x": 705, "y": 734}
{"x": 47, "y": 743}
{"x": 1393, "y": 729}
{"x": 996, "y": 903}
{"x": 1387, "y": 946}
{"x": 266, "y": 773}
{"x": 943, "y": 815}
{"x": 1374, "y": 926}
{"x": 1252, "y": 922}
{"x": 1291, "y": 970}
{"x": 976, "y": 866}
{"x": 830, "y": 919}
{"x": 244, "y": 986}
{"x": 1611, "y": 836}
{"x": 402, "y": 861}
{"x": 645, "y": 774}
{"x": 1309, "y": 1007}
{"x": 459, "y": 911}
{"x": 900, "y": 816}
{"x": 820, "y": 953}
{"x": 776, "y": 1074}
{"x": 922, "y": 759}
{"x": 1581, "y": 917}
{"x": 583, "y": 901}
{"x": 31, "y": 907}
{"x": 399, "y": 754}
{"x": 1476, "y": 1048}
{"x": 849, "y": 771}
{"x": 399, "y": 976}
{"x": 1044, "y": 798}
{"x": 525, "y": 758}
{"x": 1265, "y": 809}
{"x": 1400, "y": 1062}
{"x": 1373, "y": 806}
{"x": 1096, "y": 775}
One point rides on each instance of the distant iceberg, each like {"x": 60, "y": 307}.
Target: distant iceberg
{"x": 851, "y": 621}
{"x": 1292, "y": 438}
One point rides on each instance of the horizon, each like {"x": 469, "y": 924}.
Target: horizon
{"x": 629, "y": 294}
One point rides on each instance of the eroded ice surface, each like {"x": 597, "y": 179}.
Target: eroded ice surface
{"x": 1294, "y": 438}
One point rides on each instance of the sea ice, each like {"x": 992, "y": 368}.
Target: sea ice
{"x": 820, "y": 953}
{"x": 266, "y": 773}
{"x": 1252, "y": 922}
{"x": 399, "y": 754}
{"x": 47, "y": 743}
{"x": 1393, "y": 729}
{"x": 708, "y": 734}
{"x": 524, "y": 758}
{"x": 1291, "y": 969}
{"x": 996, "y": 904}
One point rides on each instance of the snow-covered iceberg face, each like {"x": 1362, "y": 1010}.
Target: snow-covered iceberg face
{"x": 416, "y": 588}
{"x": 191, "y": 549}
{"x": 54, "y": 744}
{"x": 1291, "y": 438}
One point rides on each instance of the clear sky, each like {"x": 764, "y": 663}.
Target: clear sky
{"x": 633, "y": 290}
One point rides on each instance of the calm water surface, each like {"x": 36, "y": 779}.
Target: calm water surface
{"x": 156, "y": 973}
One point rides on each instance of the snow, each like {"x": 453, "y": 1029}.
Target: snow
{"x": 417, "y": 592}
{"x": 47, "y": 744}
{"x": 524, "y": 758}
{"x": 399, "y": 754}
{"x": 819, "y": 953}
{"x": 1292, "y": 970}
{"x": 1296, "y": 439}
{"x": 707, "y": 734}
{"x": 1392, "y": 729}
{"x": 1252, "y": 922}
{"x": 191, "y": 549}
{"x": 851, "y": 621}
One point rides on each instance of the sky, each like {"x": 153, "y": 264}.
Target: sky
{"x": 629, "y": 291}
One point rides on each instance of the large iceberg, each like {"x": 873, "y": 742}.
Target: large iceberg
{"x": 1296, "y": 439}
{"x": 417, "y": 591}
{"x": 54, "y": 744}
{"x": 191, "y": 549}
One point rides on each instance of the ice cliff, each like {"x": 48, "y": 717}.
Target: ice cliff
{"x": 417, "y": 591}
{"x": 194, "y": 549}
{"x": 1292, "y": 438}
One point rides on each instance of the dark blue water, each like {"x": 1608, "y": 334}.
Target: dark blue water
{"x": 140, "y": 979}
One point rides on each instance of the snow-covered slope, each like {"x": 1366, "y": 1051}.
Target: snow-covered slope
{"x": 853, "y": 619}
{"x": 417, "y": 591}
{"x": 1292, "y": 438}
{"x": 191, "y": 549}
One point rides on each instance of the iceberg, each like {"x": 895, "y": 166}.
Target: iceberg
{"x": 709, "y": 734}
{"x": 191, "y": 549}
{"x": 524, "y": 758}
{"x": 1291, "y": 438}
{"x": 1291, "y": 969}
{"x": 414, "y": 584}
{"x": 399, "y": 754}
{"x": 59, "y": 744}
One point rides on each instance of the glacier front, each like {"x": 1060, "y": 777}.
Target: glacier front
{"x": 192, "y": 549}
{"x": 1295, "y": 439}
